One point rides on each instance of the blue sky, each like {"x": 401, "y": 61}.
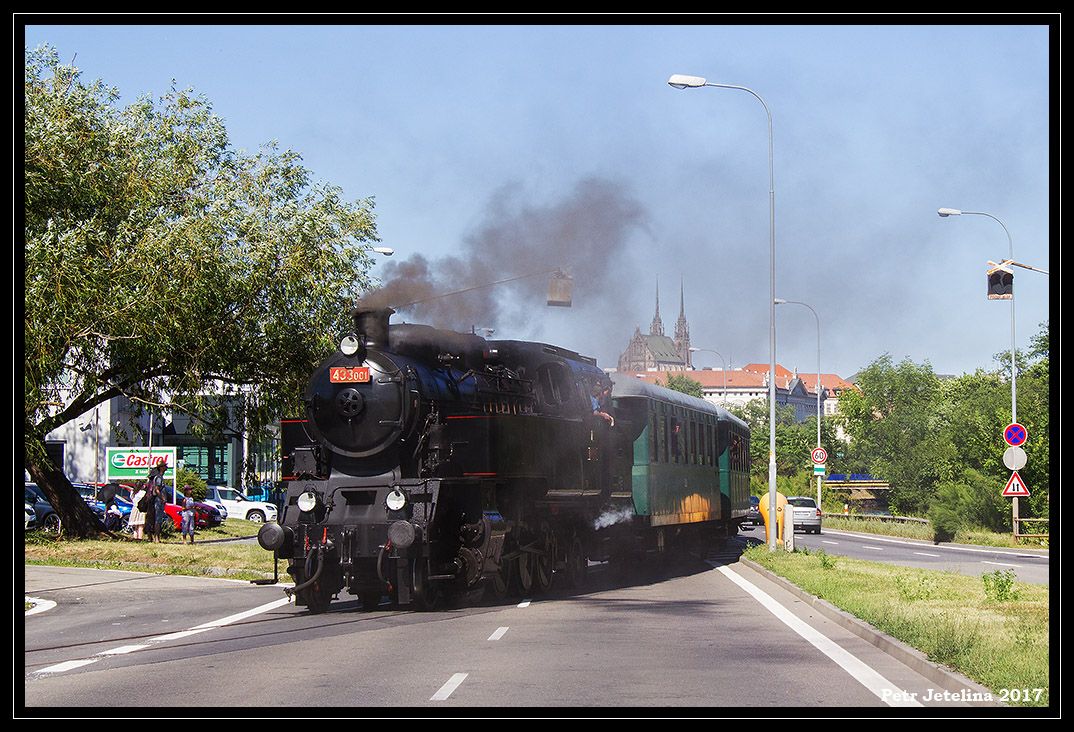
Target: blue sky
{"x": 497, "y": 150}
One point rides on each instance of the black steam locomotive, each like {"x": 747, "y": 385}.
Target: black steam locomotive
{"x": 434, "y": 464}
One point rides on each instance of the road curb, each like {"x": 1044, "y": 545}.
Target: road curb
{"x": 907, "y": 655}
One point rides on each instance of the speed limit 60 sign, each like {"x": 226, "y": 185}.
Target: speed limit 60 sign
{"x": 819, "y": 455}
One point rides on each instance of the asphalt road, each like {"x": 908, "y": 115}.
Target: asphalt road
{"x": 1029, "y": 566}
{"x": 712, "y": 636}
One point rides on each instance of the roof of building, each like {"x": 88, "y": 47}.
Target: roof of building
{"x": 662, "y": 348}
{"x": 747, "y": 379}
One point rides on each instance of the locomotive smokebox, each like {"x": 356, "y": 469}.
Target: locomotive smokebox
{"x": 371, "y": 324}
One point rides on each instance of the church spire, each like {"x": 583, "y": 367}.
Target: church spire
{"x": 657, "y": 326}
{"x": 682, "y": 329}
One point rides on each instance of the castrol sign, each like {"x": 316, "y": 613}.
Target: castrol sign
{"x": 133, "y": 463}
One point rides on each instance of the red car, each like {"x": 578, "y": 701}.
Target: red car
{"x": 205, "y": 516}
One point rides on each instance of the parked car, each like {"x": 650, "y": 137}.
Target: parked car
{"x": 205, "y": 516}
{"x": 806, "y": 514}
{"x": 239, "y": 506}
{"x": 30, "y": 516}
{"x": 754, "y": 515}
{"x": 45, "y": 517}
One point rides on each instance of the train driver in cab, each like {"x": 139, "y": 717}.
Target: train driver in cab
{"x": 599, "y": 397}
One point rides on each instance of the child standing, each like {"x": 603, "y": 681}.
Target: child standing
{"x": 188, "y": 514}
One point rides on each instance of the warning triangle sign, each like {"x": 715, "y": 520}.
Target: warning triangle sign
{"x": 1015, "y": 486}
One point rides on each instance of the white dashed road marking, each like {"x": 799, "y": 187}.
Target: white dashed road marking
{"x": 447, "y": 689}
{"x": 498, "y": 634}
{"x": 1000, "y": 564}
{"x": 926, "y": 554}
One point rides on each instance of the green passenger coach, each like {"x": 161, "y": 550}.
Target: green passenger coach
{"x": 690, "y": 465}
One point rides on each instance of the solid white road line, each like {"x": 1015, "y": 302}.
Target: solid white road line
{"x": 40, "y": 606}
{"x": 243, "y": 615}
{"x": 122, "y": 650}
{"x": 865, "y": 674}
{"x": 500, "y": 632}
{"x": 447, "y": 689}
{"x": 67, "y": 666}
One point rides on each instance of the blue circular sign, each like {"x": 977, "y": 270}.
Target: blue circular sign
{"x": 1015, "y": 434}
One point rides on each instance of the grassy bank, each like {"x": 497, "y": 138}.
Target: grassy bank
{"x": 994, "y": 632}
{"x": 923, "y": 532}
{"x": 203, "y": 558}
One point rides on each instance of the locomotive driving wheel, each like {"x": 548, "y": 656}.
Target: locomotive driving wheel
{"x": 427, "y": 594}
{"x": 524, "y": 571}
{"x": 544, "y": 562}
{"x": 577, "y": 563}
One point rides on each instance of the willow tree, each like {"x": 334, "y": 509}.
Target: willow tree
{"x": 162, "y": 264}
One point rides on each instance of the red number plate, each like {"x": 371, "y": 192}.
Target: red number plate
{"x": 345, "y": 375}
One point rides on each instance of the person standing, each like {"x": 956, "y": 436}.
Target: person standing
{"x": 155, "y": 490}
{"x": 136, "y": 521}
{"x": 188, "y": 514}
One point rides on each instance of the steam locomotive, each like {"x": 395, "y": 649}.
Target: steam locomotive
{"x": 432, "y": 464}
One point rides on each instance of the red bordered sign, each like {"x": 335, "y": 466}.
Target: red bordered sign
{"x": 349, "y": 374}
{"x": 819, "y": 455}
{"x": 1016, "y": 487}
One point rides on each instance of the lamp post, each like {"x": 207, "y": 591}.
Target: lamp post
{"x": 944, "y": 213}
{"x": 780, "y": 301}
{"x": 709, "y": 350}
{"x": 681, "y": 81}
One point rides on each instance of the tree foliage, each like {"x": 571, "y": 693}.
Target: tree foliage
{"x": 940, "y": 443}
{"x": 163, "y": 265}
{"x": 686, "y": 385}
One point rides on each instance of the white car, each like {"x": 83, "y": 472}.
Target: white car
{"x": 239, "y": 506}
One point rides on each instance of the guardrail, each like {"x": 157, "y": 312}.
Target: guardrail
{"x": 879, "y": 517}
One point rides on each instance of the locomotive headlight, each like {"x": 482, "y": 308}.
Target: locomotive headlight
{"x": 396, "y": 500}
{"x": 307, "y": 501}
{"x": 350, "y": 345}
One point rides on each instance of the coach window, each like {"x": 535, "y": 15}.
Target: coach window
{"x": 654, "y": 425}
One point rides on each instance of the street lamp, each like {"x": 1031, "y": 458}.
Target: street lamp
{"x": 682, "y": 81}
{"x": 780, "y": 301}
{"x": 944, "y": 213}
{"x": 709, "y": 350}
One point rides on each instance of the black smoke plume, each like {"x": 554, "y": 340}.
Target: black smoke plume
{"x": 585, "y": 234}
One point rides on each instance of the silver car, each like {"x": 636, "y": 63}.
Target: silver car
{"x": 806, "y": 514}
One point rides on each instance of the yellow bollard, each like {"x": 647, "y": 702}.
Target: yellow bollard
{"x": 781, "y": 501}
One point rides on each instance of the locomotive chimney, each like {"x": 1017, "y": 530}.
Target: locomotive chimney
{"x": 372, "y": 326}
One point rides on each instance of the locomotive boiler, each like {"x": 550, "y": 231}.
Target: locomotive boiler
{"x": 432, "y": 464}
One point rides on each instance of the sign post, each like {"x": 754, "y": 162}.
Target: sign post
{"x": 819, "y": 457}
{"x": 1015, "y": 435}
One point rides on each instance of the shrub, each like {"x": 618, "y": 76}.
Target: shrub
{"x": 999, "y": 585}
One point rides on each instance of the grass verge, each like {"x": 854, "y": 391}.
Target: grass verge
{"x": 955, "y": 620}
{"x": 204, "y": 558}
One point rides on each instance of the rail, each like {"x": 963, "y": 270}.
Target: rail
{"x": 879, "y": 517}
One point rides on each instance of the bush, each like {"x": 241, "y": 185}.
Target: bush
{"x": 186, "y": 476}
{"x": 946, "y": 513}
{"x": 999, "y": 585}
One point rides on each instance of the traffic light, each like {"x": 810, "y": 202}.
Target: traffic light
{"x": 1000, "y": 284}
